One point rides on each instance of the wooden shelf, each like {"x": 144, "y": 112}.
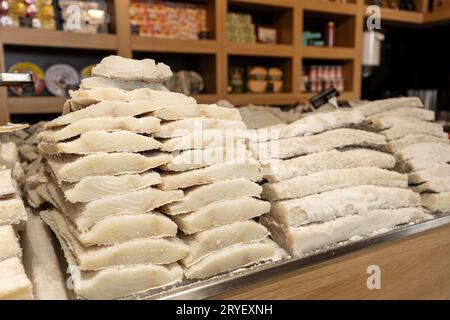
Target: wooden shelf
{"x": 206, "y": 98}
{"x": 260, "y": 49}
{"x": 279, "y": 3}
{"x": 60, "y": 39}
{"x": 327, "y": 53}
{"x": 437, "y": 17}
{"x": 38, "y": 105}
{"x": 403, "y": 16}
{"x": 147, "y": 44}
{"x": 330, "y": 7}
{"x": 262, "y": 98}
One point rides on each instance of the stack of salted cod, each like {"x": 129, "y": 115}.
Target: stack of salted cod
{"x": 14, "y": 283}
{"x": 101, "y": 158}
{"x": 420, "y": 146}
{"x": 328, "y": 183}
{"x": 217, "y": 173}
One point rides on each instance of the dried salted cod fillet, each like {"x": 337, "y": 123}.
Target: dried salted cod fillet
{"x": 420, "y": 149}
{"x": 198, "y": 197}
{"x": 418, "y": 113}
{"x": 14, "y": 283}
{"x": 232, "y": 258}
{"x": 12, "y": 211}
{"x": 439, "y": 202}
{"x": 34, "y": 199}
{"x": 73, "y": 169}
{"x": 387, "y": 122}
{"x": 97, "y": 187}
{"x": 214, "y": 173}
{"x": 316, "y": 123}
{"x": 176, "y": 112}
{"x": 102, "y": 141}
{"x": 105, "y": 109}
{"x": 205, "y": 139}
{"x": 397, "y": 145}
{"x": 101, "y": 82}
{"x": 332, "y": 179}
{"x": 41, "y": 261}
{"x": 10, "y": 127}
{"x": 136, "y": 125}
{"x": 179, "y": 128}
{"x": 399, "y": 132}
{"x": 425, "y": 161}
{"x": 339, "y": 138}
{"x": 155, "y": 251}
{"x": 432, "y": 173}
{"x": 9, "y": 154}
{"x": 146, "y": 70}
{"x": 204, "y": 243}
{"x": 7, "y": 187}
{"x": 339, "y": 203}
{"x": 298, "y": 240}
{"x": 327, "y": 160}
{"x": 9, "y": 244}
{"x": 195, "y": 159}
{"x": 379, "y": 106}
{"x": 437, "y": 185}
{"x": 221, "y": 213}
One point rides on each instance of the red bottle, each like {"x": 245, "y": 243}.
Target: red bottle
{"x": 329, "y": 34}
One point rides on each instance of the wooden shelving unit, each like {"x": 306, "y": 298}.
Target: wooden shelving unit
{"x": 213, "y": 56}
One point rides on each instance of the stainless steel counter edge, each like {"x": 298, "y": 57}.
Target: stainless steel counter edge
{"x": 202, "y": 289}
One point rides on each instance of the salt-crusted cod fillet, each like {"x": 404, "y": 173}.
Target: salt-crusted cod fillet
{"x": 232, "y": 258}
{"x": 326, "y": 160}
{"x": 298, "y": 240}
{"x": 102, "y": 141}
{"x": 217, "y": 172}
{"x": 72, "y": 169}
{"x": 221, "y": 213}
{"x": 379, "y": 106}
{"x": 179, "y": 128}
{"x": 397, "y": 145}
{"x": 418, "y": 113}
{"x": 7, "y": 187}
{"x": 440, "y": 171}
{"x": 387, "y": 122}
{"x": 97, "y": 187}
{"x": 14, "y": 283}
{"x": 155, "y": 251}
{"x": 330, "y": 180}
{"x": 12, "y": 211}
{"x": 425, "y": 161}
{"x": 176, "y": 112}
{"x": 9, "y": 244}
{"x": 198, "y": 197}
{"x": 136, "y": 125}
{"x": 399, "y": 132}
{"x": 145, "y": 70}
{"x": 339, "y": 138}
{"x": 204, "y": 243}
{"x": 338, "y": 203}
{"x": 437, "y": 185}
{"x": 420, "y": 149}
{"x": 437, "y": 202}
{"x": 101, "y": 82}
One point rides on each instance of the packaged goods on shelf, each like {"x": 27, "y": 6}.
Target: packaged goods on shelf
{"x": 166, "y": 19}
{"x": 31, "y": 14}
{"x": 319, "y": 77}
{"x": 84, "y": 16}
{"x": 240, "y": 28}
{"x": 257, "y": 80}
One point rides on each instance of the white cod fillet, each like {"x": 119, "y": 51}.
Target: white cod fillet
{"x": 177, "y": 112}
{"x": 204, "y": 243}
{"x": 420, "y": 149}
{"x": 102, "y": 141}
{"x": 327, "y": 160}
{"x": 198, "y": 197}
{"x": 387, "y": 122}
{"x": 14, "y": 283}
{"x": 330, "y": 180}
{"x": 437, "y": 185}
{"x": 440, "y": 171}
{"x": 304, "y": 239}
{"x": 179, "y": 128}
{"x": 214, "y": 173}
{"x": 232, "y": 258}
{"x": 195, "y": 159}
{"x": 145, "y": 70}
{"x": 314, "y": 124}
{"x": 379, "y": 106}
{"x": 338, "y": 203}
{"x": 105, "y": 109}
{"x": 407, "y": 112}
{"x": 136, "y": 125}
{"x": 101, "y": 82}
{"x": 97, "y": 187}
{"x": 426, "y": 161}
{"x": 73, "y": 169}
{"x": 12, "y": 211}
{"x": 334, "y": 139}
{"x": 9, "y": 244}
{"x": 205, "y": 139}
{"x": 399, "y": 132}
{"x": 439, "y": 202}
{"x": 397, "y": 145}
{"x": 7, "y": 187}
{"x": 221, "y": 213}
{"x": 155, "y": 251}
